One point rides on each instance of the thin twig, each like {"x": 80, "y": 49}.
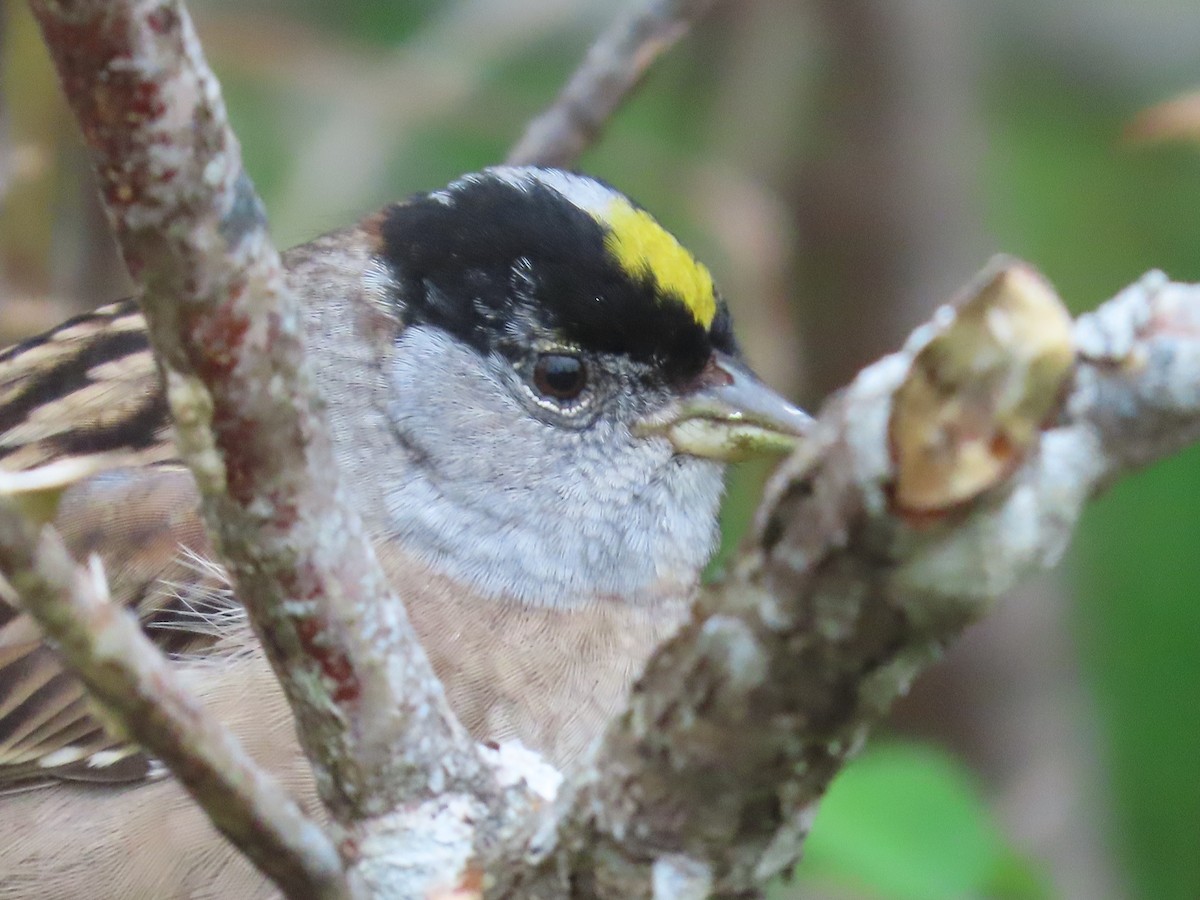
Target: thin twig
{"x": 135, "y": 683}
{"x": 612, "y": 68}
{"x": 225, "y": 327}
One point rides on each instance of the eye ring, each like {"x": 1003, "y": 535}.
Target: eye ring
{"x": 559, "y": 376}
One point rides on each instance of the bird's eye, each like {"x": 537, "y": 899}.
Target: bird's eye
{"x": 559, "y": 376}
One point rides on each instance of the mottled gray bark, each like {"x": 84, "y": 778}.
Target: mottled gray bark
{"x": 226, "y": 331}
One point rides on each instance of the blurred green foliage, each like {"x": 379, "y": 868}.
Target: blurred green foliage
{"x": 907, "y": 822}
{"x": 1094, "y": 213}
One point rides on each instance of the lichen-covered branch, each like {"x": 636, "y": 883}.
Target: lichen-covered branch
{"x": 372, "y": 716}
{"x": 613, "y": 67}
{"x": 137, "y": 686}
{"x": 873, "y": 550}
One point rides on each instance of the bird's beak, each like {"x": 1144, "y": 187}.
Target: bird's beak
{"x": 729, "y": 415}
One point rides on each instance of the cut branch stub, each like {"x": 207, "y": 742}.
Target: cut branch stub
{"x": 979, "y": 392}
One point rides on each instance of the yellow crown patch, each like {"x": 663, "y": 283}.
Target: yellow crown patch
{"x": 644, "y": 248}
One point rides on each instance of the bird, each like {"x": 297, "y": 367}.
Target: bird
{"x": 533, "y": 391}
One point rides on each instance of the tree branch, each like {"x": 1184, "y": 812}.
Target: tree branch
{"x": 613, "y": 67}
{"x": 227, "y": 332}
{"x": 139, "y": 688}
{"x": 932, "y": 486}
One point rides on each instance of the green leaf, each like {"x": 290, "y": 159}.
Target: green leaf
{"x": 907, "y": 822}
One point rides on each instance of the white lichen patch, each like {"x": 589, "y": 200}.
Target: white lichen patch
{"x": 869, "y": 408}
{"x": 420, "y": 851}
{"x": 515, "y": 764}
{"x": 730, "y": 643}
{"x": 679, "y": 877}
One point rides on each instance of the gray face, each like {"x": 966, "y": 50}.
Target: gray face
{"x": 551, "y": 503}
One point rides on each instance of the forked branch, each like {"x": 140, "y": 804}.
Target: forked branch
{"x": 227, "y": 331}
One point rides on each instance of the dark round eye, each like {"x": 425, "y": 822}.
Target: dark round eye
{"x": 559, "y": 376}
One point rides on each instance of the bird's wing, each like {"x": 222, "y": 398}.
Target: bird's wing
{"x": 90, "y": 388}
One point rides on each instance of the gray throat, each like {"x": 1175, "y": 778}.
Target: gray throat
{"x": 448, "y": 465}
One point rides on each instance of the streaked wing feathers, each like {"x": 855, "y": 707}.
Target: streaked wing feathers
{"x": 90, "y": 386}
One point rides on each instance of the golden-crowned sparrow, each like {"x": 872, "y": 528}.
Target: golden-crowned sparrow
{"x": 532, "y": 390}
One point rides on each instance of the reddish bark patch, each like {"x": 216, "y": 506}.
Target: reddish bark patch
{"x": 306, "y": 582}
{"x": 349, "y": 850}
{"x": 217, "y": 339}
{"x": 113, "y": 98}
{"x": 335, "y": 666}
{"x": 143, "y": 101}
{"x": 235, "y": 434}
{"x": 471, "y": 883}
{"x": 163, "y": 20}
{"x": 286, "y": 513}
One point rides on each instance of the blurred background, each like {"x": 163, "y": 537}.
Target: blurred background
{"x": 844, "y": 166}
